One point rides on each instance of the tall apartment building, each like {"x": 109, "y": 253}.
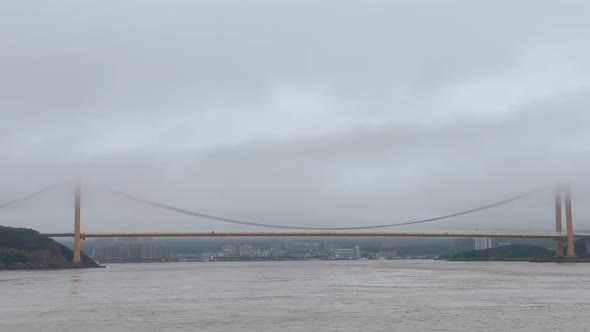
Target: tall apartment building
{"x": 130, "y": 250}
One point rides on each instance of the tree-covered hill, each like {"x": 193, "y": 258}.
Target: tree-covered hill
{"x": 519, "y": 252}
{"x": 22, "y": 248}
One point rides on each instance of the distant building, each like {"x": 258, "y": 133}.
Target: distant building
{"x": 229, "y": 250}
{"x": 245, "y": 250}
{"x": 386, "y": 254}
{"x": 483, "y": 243}
{"x": 301, "y": 246}
{"x": 353, "y": 253}
{"x": 129, "y": 250}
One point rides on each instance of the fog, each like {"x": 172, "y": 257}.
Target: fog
{"x": 332, "y": 113}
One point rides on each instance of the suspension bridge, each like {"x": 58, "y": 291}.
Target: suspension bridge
{"x": 562, "y": 199}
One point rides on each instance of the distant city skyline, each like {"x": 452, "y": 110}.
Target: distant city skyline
{"x": 287, "y": 249}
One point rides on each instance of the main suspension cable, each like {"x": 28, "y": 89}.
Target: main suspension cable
{"x": 258, "y": 224}
{"x": 28, "y": 196}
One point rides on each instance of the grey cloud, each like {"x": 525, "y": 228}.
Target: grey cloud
{"x": 335, "y": 113}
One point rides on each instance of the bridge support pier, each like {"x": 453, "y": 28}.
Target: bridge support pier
{"x": 558, "y": 224}
{"x": 77, "y": 252}
{"x": 569, "y": 224}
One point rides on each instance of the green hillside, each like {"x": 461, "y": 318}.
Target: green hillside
{"x": 519, "y": 252}
{"x": 579, "y": 247}
{"x": 22, "y": 248}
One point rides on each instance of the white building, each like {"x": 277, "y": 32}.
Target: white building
{"x": 353, "y": 253}
{"x": 483, "y": 243}
{"x": 229, "y": 250}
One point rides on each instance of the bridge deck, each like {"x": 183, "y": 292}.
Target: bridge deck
{"x": 319, "y": 234}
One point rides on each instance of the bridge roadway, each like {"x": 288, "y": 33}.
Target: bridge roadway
{"x": 555, "y": 236}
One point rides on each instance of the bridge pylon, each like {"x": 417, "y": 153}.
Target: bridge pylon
{"x": 558, "y": 223}
{"x": 77, "y": 197}
{"x": 569, "y": 223}
{"x": 564, "y": 191}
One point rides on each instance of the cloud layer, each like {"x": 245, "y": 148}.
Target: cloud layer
{"x": 298, "y": 112}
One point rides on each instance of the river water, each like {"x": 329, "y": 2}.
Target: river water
{"x": 299, "y": 296}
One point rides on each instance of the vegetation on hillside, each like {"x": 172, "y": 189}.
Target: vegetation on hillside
{"x": 24, "y": 239}
{"x": 579, "y": 247}
{"x": 519, "y": 252}
{"x": 22, "y": 248}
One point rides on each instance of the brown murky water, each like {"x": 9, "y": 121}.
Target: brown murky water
{"x": 299, "y": 296}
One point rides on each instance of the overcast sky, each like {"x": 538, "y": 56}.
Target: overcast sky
{"x": 321, "y": 113}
